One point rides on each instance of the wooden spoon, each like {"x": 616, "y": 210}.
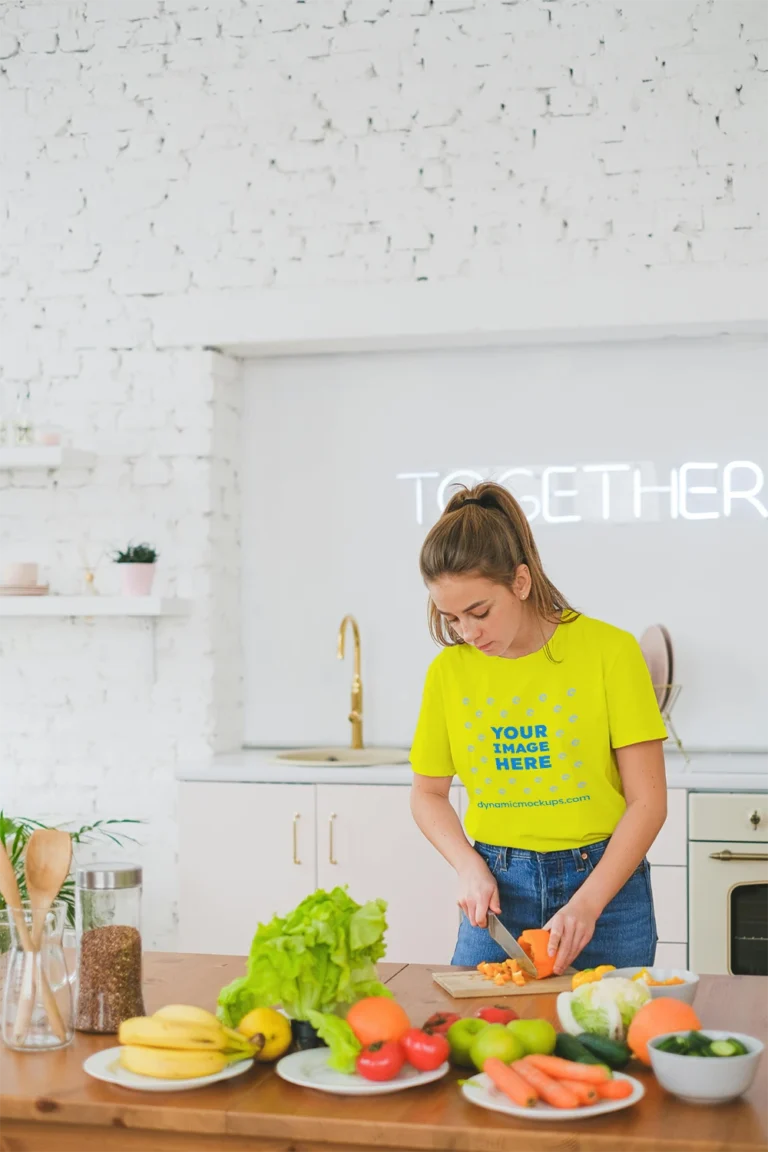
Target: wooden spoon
{"x": 9, "y": 890}
{"x": 47, "y": 861}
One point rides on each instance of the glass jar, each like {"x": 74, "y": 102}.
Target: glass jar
{"x": 37, "y": 985}
{"x": 108, "y": 919}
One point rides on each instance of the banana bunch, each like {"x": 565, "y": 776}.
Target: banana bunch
{"x": 181, "y": 1042}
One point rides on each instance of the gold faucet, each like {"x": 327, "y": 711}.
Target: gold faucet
{"x": 356, "y": 714}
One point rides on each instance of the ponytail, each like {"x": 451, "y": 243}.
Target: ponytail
{"x": 484, "y": 532}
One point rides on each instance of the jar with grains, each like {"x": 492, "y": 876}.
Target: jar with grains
{"x": 108, "y": 919}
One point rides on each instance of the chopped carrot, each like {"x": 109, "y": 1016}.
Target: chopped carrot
{"x": 552, "y": 1091}
{"x": 568, "y": 1070}
{"x": 584, "y": 1093}
{"x": 514, "y": 1087}
{"x": 614, "y": 1089}
{"x": 503, "y": 972}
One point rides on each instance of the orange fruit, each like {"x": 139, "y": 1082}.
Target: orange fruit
{"x": 654, "y": 1019}
{"x": 377, "y": 1018}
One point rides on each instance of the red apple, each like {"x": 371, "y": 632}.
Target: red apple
{"x": 439, "y": 1022}
{"x": 495, "y": 1014}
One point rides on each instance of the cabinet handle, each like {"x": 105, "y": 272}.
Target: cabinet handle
{"x": 726, "y": 854}
{"x": 296, "y": 818}
{"x": 331, "y": 858}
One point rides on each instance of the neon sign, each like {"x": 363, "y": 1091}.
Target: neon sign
{"x": 616, "y": 492}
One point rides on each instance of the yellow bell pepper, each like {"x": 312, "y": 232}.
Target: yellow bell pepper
{"x": 591, "y": 975}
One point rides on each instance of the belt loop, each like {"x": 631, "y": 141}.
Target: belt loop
{"x": 579, "y": 859}
{"x": 503, "y": 863}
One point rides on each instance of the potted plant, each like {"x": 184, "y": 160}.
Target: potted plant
{"x": 138, "y": 571}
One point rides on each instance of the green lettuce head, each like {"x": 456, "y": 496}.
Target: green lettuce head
{"x": 605, "y": 1008}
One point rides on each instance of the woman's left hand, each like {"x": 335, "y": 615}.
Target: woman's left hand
{"x": 571, "y": 929}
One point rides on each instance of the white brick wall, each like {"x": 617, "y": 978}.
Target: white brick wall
{"x": 158, "y": 147}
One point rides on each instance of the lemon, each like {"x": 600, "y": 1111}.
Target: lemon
{"x": 272, "y": 1026}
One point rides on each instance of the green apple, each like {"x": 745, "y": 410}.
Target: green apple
{"x": 495, "y": 1040}
{"x": 536, "y": 1036}
{"x": 460, "y": 1036}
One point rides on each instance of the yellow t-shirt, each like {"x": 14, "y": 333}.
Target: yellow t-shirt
{"x": 533, "y": 739}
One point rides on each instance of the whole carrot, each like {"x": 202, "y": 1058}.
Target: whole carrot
{"x": 552, "y": 1091}
{"x": 584, "y": 1093}
{"x": 614, "y": 1089}
{"x": 507, "y": 1081}
{"x": 561, "y": 1069}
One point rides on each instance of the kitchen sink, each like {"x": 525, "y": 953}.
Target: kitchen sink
{"x": 344, "y": 757}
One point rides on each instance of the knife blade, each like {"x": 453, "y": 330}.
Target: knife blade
{"x": 507, "y": 941}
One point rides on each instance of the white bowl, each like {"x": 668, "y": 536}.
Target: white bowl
{"x": 706, "y": 1079}
{"x": 685, "y": 992}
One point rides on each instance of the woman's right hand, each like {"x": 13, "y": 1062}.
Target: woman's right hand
{"x": 478, "y": 892}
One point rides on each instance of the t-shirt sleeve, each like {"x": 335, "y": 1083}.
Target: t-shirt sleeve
{"x": 633, "y": 711}
{"x": 431, "y": 748}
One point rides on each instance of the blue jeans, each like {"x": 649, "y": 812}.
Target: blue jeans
{"x": 535, "y": 885}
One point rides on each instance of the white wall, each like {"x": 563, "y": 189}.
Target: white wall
{"x": 149, "y": 150}
{"x": 325, "y": 489}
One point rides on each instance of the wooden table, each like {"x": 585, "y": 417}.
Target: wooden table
{"x": 48, "y": 1104}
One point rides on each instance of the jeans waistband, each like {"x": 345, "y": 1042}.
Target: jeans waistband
{"x": 578, "y": 856}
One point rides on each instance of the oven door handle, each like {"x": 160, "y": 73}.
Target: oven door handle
{"x": 726, "y": 854}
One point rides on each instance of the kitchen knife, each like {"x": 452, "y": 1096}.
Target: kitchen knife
{"x": 507, "y": 941}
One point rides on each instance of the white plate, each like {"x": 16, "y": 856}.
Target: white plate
{"x": 104, "y": 1066}
{"x": 480, "y": 1091}
{"x": 657, "y": 650}
{"x": 310, "y": 1070}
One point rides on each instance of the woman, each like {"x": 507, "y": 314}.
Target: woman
{"x": 550, "y": 720}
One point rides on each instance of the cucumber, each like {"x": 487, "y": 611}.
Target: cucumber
{"x": 569, "y": 1048}
{"x": 727, "y": 1048}
{"x": 610, "y": 1052}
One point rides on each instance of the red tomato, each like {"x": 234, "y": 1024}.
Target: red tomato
{"x": 381, "y": 1061}
{"x": 495, "y": 1014}
{"x": 425, "y": 1050}
{"x": 440, "y": 1022}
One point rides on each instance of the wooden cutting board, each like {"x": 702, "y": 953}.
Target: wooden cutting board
{"x": 463, "y": 985}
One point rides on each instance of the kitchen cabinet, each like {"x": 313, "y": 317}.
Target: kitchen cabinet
{"x": 368, "y": 840}
{"x": 670, "y": 899}
{"x": 248, "y": 851}
{"x": 671, "y": 844}
{"x": 672, "y": 956}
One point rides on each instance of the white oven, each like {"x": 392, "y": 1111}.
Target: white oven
{"x": 728, "y": 883}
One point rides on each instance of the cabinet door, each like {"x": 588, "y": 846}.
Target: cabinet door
{"x": 367, "y": 839}
{"x": 671, "y": 845}
{"x": 246, "y": 851}
{"x": 670, "y": 899}
{"x": 671, "y": 956}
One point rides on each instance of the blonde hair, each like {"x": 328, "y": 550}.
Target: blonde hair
{"x": 490, "y": 538}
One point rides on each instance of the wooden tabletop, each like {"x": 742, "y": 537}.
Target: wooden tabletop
{"x": 48, "y": 1104}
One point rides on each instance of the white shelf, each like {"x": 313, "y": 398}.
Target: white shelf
{"x": 92, "y": 606}
{"x": 40, "y": 457}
